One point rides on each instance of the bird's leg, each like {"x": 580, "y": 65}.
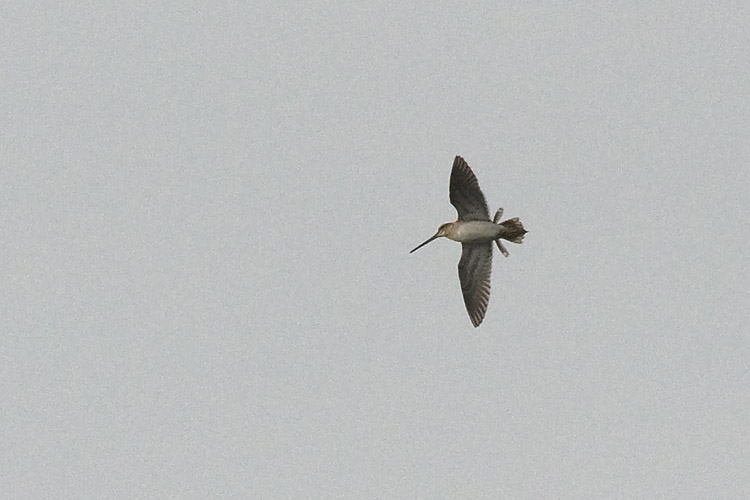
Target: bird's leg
{"x": 498, "y": 214}
{"x": 500, "y": 245}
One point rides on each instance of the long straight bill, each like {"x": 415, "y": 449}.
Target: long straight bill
{"x": 423, "y": 244}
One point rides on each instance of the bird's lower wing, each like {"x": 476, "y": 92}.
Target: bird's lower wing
{"x": 474, "y": 270}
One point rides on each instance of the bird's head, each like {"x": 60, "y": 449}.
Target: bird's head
{"x": 443, "y": 230}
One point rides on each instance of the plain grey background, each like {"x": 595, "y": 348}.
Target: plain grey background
{"x": 208, "y": 208}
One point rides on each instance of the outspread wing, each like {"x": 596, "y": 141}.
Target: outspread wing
{"x": 474, "y": 270}
{"x": 465, "y": 193}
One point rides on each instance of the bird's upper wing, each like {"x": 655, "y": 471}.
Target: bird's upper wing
{"x": 465, "y": 193}
{"x": 474, "y": 270}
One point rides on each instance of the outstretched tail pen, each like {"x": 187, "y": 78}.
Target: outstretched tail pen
{"x": 515, "y": 230}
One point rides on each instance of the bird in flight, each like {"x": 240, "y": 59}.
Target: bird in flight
{"x": 476, "y": 232}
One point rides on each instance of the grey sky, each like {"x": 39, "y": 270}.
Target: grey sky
{"x": 208, "y": 210}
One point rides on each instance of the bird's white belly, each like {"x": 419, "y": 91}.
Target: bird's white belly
{"x": 477, "y": 231}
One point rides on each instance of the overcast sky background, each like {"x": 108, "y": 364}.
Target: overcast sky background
{"x": 208, "y": 209}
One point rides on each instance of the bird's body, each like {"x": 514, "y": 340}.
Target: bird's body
{"x": 476, "y": 232}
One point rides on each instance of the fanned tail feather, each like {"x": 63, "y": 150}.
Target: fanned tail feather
{"x": 515, "y": 229}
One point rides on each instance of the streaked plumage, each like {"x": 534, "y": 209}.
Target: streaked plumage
{"x": 476, "y": 232}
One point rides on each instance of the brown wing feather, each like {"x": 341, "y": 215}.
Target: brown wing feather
{"x": 474, "y": 270}
{"x": 465, "y": 194}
